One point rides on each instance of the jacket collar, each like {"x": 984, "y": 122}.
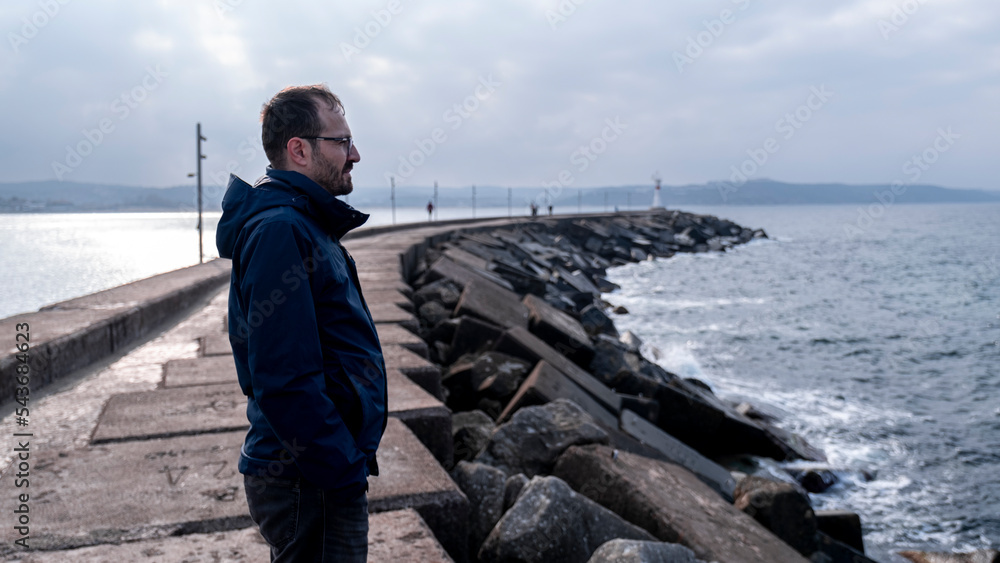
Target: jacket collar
{"x": 336, "y": 216}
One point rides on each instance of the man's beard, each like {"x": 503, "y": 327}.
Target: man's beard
{"x": 332, "y": 179}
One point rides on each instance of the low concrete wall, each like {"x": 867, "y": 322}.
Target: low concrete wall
{"x": 73, "y": 334}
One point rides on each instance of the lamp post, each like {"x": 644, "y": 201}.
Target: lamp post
{"x": 199, "y": 157}
{"x": 392, "y": 197}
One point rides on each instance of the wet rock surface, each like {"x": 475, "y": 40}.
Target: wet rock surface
{"x": 633, "y": 551}
{"x": 671, "y": 504}
{"x": 535, "y": 437}
{"x": 484, "y": 486}
{"x": 470, "y": 432}
{"x": 551, "y": 522}
{"x": 981, "y": 556}
{"x": 781, "y": 508}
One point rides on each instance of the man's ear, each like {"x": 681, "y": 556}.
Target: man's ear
{"x": 298, "y": 151}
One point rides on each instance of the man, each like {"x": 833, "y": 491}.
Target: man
{"x": 306, "y": 351}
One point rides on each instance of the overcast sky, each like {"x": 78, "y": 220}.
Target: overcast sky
{"x": 508, "y": 93}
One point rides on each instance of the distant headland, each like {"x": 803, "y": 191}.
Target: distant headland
{"x": 71, "y": 197}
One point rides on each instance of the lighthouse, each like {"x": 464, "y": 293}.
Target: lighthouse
{"x": 657, "y": 203}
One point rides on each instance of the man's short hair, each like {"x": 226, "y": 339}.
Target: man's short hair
{"x": 293, "y": 112}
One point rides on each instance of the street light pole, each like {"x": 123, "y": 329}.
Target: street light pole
{"x": 392, "y": 197}
{"x": 435, "y": 200}
{"x": 473, "y": 202}
{"x": 201, "y": 249}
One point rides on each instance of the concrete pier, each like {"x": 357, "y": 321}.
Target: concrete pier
{"x": 133, "y": 453}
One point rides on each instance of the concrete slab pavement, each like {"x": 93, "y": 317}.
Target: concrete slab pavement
{"x": 400, "y": 535}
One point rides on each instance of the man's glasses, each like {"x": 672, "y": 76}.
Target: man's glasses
{"x": 341, "y": 140}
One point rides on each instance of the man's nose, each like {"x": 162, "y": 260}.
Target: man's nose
{"x": 355, "y": 156}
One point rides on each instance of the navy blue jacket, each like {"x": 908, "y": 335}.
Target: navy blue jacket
{"x": 307, "y": 354}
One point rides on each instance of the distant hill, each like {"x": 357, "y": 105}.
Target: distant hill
{"x": 770, "y": 192}
{"x": 53, "y": 196}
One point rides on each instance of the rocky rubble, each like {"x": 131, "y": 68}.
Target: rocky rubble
{"x": 544, "y": 388}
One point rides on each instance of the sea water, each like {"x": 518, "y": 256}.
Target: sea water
{"x": 878, "y": 341}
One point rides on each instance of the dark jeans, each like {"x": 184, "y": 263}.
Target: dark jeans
{"x": 302, "y": 524}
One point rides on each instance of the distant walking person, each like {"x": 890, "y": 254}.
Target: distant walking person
{"x": 534, "y": 209}
{"x": 430, "y": 209}
{"x": 307, "y": 354}
{"x": 550, "y": 210}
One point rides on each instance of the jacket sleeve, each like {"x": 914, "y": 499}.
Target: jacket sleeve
{"x": 286, "y": 359}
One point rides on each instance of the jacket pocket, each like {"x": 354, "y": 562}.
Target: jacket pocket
{"x": 366, "y": 409}
{"x": 344, "y": 395}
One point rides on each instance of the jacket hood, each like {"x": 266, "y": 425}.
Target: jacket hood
{"x": 278, "y": 188}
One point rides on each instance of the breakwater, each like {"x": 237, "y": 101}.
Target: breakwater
{"x": 158, "y": 458}
{"x": 540, "y": 381}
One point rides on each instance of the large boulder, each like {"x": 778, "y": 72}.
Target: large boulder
{"x": 670, "y": 503}
{"x": 981, "y": 556}
{"x": 433, "y": 313}
{"x": 674, "y": 451}
{"x": 459, "y": 274}
{"x": 522, "y": 344}
{"x": 780, "y": 507}
{"x": 634, "y": 551}
{"x": 534, "y": 437}
{"x": 550, "y": 522}
{"x": 595, "y": 321}
{"x": 443, "y": 291}
{"x": 457, "y": 379}
{"x": 493, "y": 304}
{"x": 484, "y": 486}
{"x": 546, "y": 384}
{"x": 497, "y": 375}
{"x": 560, "y": 330}
{"x": 470, "y": 431}
{"x": 472, "y": 336}
{"x": 612, "y": 361}
{"x": 699, "y": 419}
{"x": 843, "y": 526}
{"x": 833, "y": 551}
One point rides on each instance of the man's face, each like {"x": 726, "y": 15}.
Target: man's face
{"x": 331, "y": 163}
